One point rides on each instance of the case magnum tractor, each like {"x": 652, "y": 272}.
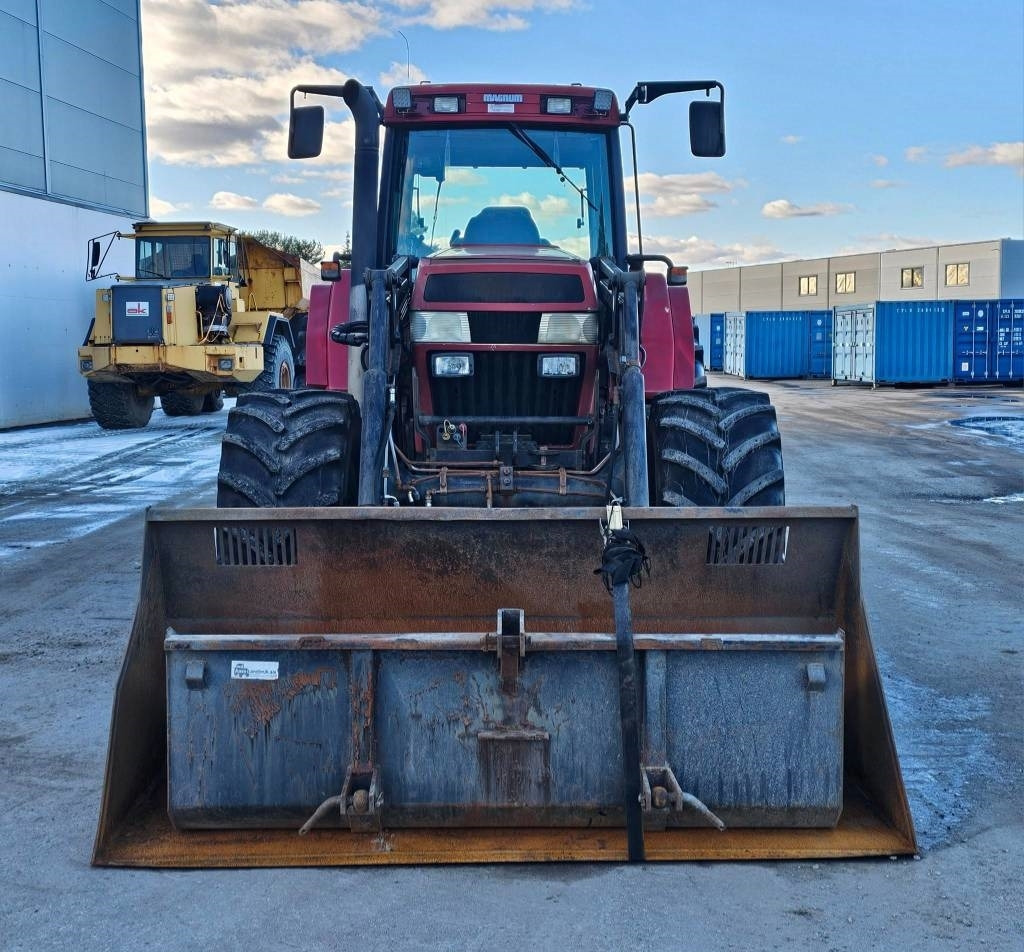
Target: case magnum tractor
{"x": 506, "y": 580}
{"x": 209, "y": 310}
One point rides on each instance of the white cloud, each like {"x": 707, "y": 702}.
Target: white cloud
{"x": 886, "y": 241}
{"x": 880, "y": 160}
{"x": 999, "y": 153}
{"x": 702, "y": 251}
{"x": 483, "y": 14}
{"x": 916, "y": 153}
{"x": 294, "y": 206}
{"x": 222, "y": 100}
{"x": 232, "y": 201}
{"x": 886, "y": 183}
{"x": 464, "y": 177}
{"x": 784, "y": 208}
{"x": 669, "y": 196}
{"x": 548, "y": 206}
{"x": 400, "y": 74}
{"x": 158, "y": 208}
{"x": 792, "y": 140}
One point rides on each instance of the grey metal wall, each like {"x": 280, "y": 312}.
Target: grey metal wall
{"x": 71, "y": 99}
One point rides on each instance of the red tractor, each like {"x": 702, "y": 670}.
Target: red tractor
{"x": 389, "y": 635}
{"x": 495, "y": 343}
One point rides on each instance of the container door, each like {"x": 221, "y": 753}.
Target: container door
{"x": 821, "y": 344}
{"x": 1007, "y": 341}
{"x": 864, "y": 345}
{"x": 717, "y": 342}
{"x": 971, "y": 358}
{"x": 842, "y": 345}
{"x": 735, "y": 344}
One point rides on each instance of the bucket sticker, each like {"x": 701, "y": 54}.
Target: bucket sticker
{"x": 254, "y": 670}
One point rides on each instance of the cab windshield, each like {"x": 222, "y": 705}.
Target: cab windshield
{"x": 506, "y": 185}
{"x": 185, "y": 256}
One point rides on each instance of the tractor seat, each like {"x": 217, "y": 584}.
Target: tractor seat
{"x": 502, "y": 225}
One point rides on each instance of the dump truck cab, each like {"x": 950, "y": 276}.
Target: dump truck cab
{"x": 207, "y": 310}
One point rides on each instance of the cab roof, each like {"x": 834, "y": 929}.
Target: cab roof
{"x": 501, "y": 103}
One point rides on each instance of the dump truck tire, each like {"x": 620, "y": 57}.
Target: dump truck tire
{"x": 290, "y": 448}
{"x": 278, "y": 368}
{"x": 119, "y": 406}
{"x": 715, "y": 447}
{"x": 182, "y": 404}
{"x": 213, "y": 402}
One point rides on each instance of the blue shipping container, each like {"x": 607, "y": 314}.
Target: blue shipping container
{"x": 894, "y": 342}
{"x": 774, "y": 345}
{"x": 989, "y": 344}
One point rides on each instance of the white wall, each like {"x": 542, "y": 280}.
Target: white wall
{"x": 46, "y": 304}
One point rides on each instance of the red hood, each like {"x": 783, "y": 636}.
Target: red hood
{"x": 564, "y": 281}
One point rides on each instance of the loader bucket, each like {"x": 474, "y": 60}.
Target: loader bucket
{"x": 439, "y": 686}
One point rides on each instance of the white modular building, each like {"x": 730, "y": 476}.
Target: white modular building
{"x": 978, "y": 270}
{"x": 72, "y": 166}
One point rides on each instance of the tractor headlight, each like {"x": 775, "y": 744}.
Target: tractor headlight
{"x": 452, "y": 365}
{"x": 567, "y": 327}
{"x": 85, "y": 365}
{"x": 226, "y": 363}
{"x": 440, "y": 326}
{"x": 558, "y": 365}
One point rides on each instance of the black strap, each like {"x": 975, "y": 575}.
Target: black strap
{"x": 623, "y": 564}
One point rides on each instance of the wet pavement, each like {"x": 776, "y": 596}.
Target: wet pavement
{"x": 938, "y": 476}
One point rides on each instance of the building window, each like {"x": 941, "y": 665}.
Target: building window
{"x": 846, "y": 282}
{"x": 912, "y": 278}
{"x": 957, "y": 275}
{"x": 808, "y": 285}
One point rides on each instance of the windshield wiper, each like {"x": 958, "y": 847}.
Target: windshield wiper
{"x": 538, "y": 150}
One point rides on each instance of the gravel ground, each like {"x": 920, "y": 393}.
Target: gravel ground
{"x": 939, "y": 478}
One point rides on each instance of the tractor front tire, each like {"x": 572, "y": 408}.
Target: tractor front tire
{"x": 119, "y": 406}
{"x": 182, "y": 403}
{"x": 715, "y": 447}
{"x": 290, "y": 448}
{"x": 213, "y": 402}
{"x": 278, "y": 368}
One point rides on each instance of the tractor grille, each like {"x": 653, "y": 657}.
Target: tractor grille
{"x": 504, "y": 327}
{"x": 506, "y": 384}
{"x": 499, "y": 287}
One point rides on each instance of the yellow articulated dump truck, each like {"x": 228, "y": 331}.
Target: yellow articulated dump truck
{"x": 209, "y": 310}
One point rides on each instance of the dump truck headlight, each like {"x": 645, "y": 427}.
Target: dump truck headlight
{"x": 85, "y": 365}
{"x": 558, "y": 365}
{"x": 449, "y": 326}
{"x": 566, "y": 327}
{"x": 452, "y": 365}
{"x": 401, "y": 98}
{"x": 226, "y": 363}
{"x": 603, "y": 99}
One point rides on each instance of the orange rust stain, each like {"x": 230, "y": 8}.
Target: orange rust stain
{"x": 257, "y": 699}
{"x": 298, "y": 682}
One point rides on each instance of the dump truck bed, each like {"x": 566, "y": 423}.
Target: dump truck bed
{"x": 448, "y": 678}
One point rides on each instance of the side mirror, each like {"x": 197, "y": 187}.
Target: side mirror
{"x": 305, "y": 132}
{"x": 94, "y": 258}
{"x": 707, "y": 129}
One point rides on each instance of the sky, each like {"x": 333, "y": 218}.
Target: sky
{"x": 850, "y": 126}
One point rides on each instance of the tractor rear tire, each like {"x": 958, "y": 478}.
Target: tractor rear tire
{"x": 182, "y": 403}
{"x": 278, "y": 368}
{"x": 119, "y": 406}
{"x": 290, "y": 448}
{"x": 715, "y": 447}
{"x": 213, "y": 402}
